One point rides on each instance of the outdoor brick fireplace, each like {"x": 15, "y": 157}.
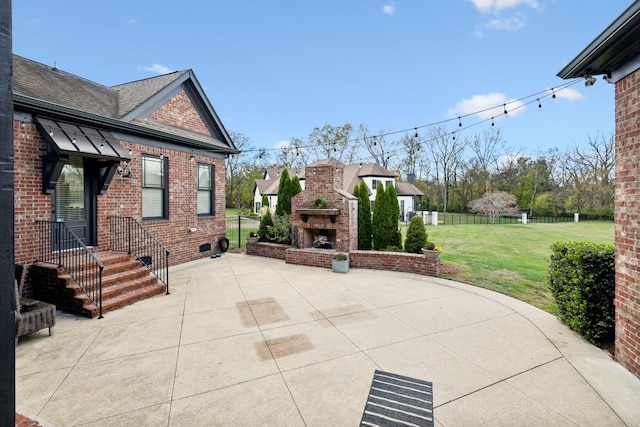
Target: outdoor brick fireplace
{"x": 334, "y": 226}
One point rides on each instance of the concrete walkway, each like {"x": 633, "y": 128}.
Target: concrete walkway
{"x": 245, "y": 340}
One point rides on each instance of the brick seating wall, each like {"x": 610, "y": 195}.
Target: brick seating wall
{"x": 373, "y": 260}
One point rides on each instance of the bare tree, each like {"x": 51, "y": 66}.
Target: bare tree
{"x": 487, "y": 148}
{"x": 237, "y": 166}
{"x": 446, "y": 149}
{"x": 595, "y": 165}
{"x": 294, "y": 155}
{"x": 412, "y": 144}
{"x": 333, "y": 141}
{"x": 495, "y": 205}
{"x": 377, "y": 145}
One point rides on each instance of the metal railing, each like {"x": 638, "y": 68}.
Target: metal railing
{"x": 60, "y": 246}
{"x": 128, "y": 235}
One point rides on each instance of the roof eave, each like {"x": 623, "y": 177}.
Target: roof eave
{"x": 584, "y": 63}
{"x": 62, "y": 112}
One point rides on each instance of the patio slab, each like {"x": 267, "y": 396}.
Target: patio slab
{"x": 244, "y": 340}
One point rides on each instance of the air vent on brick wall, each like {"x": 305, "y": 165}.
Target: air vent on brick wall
{"x": 205, "y": 248}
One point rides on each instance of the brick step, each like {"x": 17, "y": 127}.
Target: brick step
{"x": 124, "y": 281}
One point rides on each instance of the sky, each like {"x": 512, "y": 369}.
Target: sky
{"x": 275, "y": 70}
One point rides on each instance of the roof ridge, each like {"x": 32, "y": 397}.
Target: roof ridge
{"x": 180, "y": 72}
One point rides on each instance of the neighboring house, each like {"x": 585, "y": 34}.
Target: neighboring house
{"x": 370, "y": 173}
{"x": 153, "y": 150}
{"x": 615, "y": 54}
{"x": 269, "y": 185}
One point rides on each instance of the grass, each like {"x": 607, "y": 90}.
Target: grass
{"x": 510, "y": 258}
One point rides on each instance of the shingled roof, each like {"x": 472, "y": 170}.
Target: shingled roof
{"x": 48, "y": 90}
{"x": 42, "y": 82}
{"x": 133, "y": 94}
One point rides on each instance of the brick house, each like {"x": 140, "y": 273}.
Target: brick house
{"x": 615, "y": 54}
{"x": 152, "y": 150}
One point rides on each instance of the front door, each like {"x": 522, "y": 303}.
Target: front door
{"x": 73, "y": 200}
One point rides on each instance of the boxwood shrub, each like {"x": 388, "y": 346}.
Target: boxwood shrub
{"x": 582, "y": 281}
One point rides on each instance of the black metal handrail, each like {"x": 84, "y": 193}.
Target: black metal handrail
{"x": 59, "y": 245}
{"x": 128, "y": 235}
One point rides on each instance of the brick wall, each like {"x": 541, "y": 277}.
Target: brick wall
{"x": 180, "y": 112}
{"x": 395, "y": 261}
{"x": 627, "y": 222}
{"x": 268, "y": 250}
{"x": 29, "y": 202}
{"x": 326, "y": 181}
{"x": 372, "y": 260}
{"x": 123, "y": 198}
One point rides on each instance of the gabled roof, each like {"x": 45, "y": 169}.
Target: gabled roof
{"x": 616, "y": 45}
{"x": 54, "y": 93}
{"x": 134, "y": 94}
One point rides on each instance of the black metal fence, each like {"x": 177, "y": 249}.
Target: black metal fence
{"x": 128, "y": 235}
{"x": 238, "y": 229}
{"x": 452, "y": 218}
{"x": 60, "y": 246}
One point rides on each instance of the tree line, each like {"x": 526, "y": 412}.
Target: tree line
{"x": 450, "y": 169}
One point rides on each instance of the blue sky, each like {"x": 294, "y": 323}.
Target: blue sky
{"x": 277, "y": 69}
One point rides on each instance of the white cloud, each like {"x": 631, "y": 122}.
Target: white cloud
{"x": 495, "y": 6}
{"x": 566, "y": 93}
{"x": 282, "y": 144}
{"x": 510, "y": 24}
{"x": 158, "y": 68}
{"x": 487, "y": 106}
{"x": 389, "y": 9}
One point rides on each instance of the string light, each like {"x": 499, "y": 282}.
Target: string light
{"x": 514, "y": 105}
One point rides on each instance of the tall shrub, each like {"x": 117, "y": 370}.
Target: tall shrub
{"x": 265, "y": 222}
{"x": 582, "y": 281}
{"x": 294, "y": 187}
{"x": 265, "y": 201}
{"x": 395, "y": 215}
{"x": 364, "y": 217}
{"x": 416, "y": 236}
{"x": 382, "y": 230}
{"x": 284, "y": 196}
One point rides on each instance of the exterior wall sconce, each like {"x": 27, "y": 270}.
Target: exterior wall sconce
{"x": 125, "y": 170}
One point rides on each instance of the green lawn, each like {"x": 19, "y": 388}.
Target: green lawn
{"x": 510, "y": 258}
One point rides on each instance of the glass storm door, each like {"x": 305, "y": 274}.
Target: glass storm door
{"x": 72, "y": 200}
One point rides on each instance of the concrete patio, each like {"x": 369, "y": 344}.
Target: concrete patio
{"x": 246, "y": 340}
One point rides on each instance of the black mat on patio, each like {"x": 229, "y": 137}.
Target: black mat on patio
{"x": 396, "y": 400}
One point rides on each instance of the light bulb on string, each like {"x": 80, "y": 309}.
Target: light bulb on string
{"x": 553, "y": 92}
{"x": 459, "y": 122}
{"x": 539, "y": 104}
{"x": 492, "y": 123}
{"x": 505, "y": 109}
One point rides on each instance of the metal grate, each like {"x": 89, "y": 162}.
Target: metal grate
{"x": 396, "y": 400}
